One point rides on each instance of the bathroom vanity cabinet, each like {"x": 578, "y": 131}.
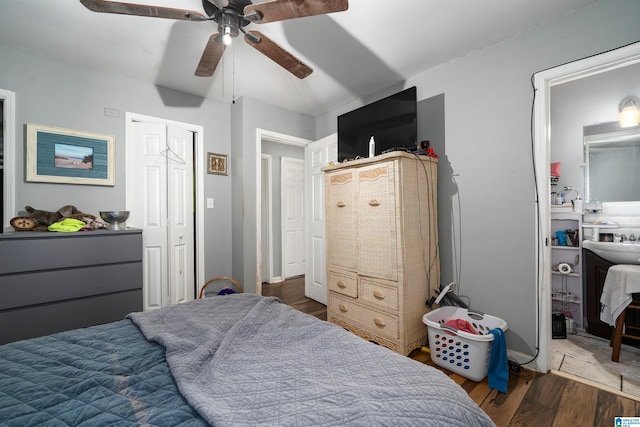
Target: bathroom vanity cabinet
{"x": 595, "y": 272}
{"x": 567, "y": 289}
{"x": 53, "y": 282}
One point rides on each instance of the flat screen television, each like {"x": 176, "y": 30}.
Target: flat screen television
{"x": 392, "y": 121}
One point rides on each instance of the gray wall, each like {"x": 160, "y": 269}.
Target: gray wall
{"x": 59, "y": 94}
{"x": 277, "y": 152}
{"x": 488, "y": 147}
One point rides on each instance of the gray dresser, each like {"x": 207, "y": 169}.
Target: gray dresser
{"x": 53, "y": 282}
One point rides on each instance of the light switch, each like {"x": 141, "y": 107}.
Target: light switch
{"x": 209, "y": 202}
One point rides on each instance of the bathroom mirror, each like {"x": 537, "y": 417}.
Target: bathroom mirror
{"x": 611, "y": 163}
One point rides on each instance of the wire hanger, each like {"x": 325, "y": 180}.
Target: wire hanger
{"x": 171, "y": 155}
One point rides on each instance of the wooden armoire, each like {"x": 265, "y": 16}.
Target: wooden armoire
{"x": 382, "y": 247}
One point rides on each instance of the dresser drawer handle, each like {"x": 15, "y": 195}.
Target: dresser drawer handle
{"x": 341, "y": 284}
{"x": 343, "y": 308}
{"x": 341, "y": 204}
{"x": 379, "y": 322}
{"x": 378, "y": 294}
{"x": 374, "y": 202}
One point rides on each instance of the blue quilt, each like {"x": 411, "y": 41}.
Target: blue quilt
{"x": 107, "y": 375}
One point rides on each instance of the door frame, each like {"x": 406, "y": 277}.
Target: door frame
{"x": 199, "y": 161}
{"x": 543, "y": 81}
{"x": 281, "y": 138}
{"x": 9, "y": 150}
{"x": 267, "y": 213}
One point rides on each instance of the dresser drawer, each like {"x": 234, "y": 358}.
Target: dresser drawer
{"x": 383, "y": 324}
{"x": 381, "y": 295}
{"x": 343, "y": 282}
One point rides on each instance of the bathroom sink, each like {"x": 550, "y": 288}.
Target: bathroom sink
{"x": 619, "y": 253}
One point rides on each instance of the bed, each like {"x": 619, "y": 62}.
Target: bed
{"x": 233, "y": 360}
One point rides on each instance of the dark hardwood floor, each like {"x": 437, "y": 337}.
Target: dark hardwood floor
{"x": 532, "y": 400}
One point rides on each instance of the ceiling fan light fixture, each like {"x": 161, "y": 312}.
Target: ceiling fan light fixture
{"x": 629, "y": 111}
{"x": 227, "y": 40}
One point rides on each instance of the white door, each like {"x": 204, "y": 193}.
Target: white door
{"x": 162, "y": 205}
{"x": 317, "y": 155}
{"x": 293, "y": 256}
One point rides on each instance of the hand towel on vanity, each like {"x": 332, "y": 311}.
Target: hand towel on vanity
{"x": 622, "y": 280}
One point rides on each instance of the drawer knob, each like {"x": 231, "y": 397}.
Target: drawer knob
{"x": 341, "y": 284}
{"x": 343, "y": 308}
{"x": 378, "y": 294}
{"x": 379, "y": 322}
{"x": 341, "y": 204}
{"x": 374, "y": 202}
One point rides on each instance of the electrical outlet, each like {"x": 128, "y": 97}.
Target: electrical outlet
{"x": 210, "y": 203}
{"x": 111, "y": 112}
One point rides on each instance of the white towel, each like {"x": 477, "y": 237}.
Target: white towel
{"x": 622, "y": 280}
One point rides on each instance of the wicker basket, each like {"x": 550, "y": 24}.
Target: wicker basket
{"x": 222, "y": 290}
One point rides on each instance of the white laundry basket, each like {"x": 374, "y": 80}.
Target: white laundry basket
{"x": 461, "y": 352}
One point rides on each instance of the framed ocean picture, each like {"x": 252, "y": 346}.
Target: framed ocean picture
{"x": 67, "y": 156}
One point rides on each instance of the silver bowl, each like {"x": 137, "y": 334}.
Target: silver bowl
{"x": 116, "y": 219}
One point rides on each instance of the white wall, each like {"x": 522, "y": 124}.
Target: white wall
{"x": 488, "y": 100}
{"x": 55, "y": 93}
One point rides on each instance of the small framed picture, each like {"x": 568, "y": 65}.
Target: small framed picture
{"x": 217, "y": 164}
{"x": 67, "y": 156}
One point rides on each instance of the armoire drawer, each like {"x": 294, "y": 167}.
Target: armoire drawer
{"x": 383, "y": 324}
{"x": 343, "y": 282}
{"x": 381, "y": 295}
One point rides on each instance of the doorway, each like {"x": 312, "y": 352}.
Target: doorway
{"x": 162, "y": 162}
{"x": 7, "y": 158}
{"x": 543, "y": 82}
{"x": 273, "y": 200}
{"x": 280, "y": 142}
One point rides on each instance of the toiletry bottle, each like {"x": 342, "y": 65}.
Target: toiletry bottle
{"x": 372, "y": 147}
{"x": 558, "y": 199}
{"x": 562, "y": 198}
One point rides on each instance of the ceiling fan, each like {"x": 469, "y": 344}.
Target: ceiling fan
{"x": 232, "y": 16}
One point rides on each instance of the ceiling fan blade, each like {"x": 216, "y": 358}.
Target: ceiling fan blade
{"x": 220, "y": 4}
{"x": 210, "y": 56}
{"x": 279, "y": 10}
{"x": 105, "y": 6}
{"x": 277, "y": 54}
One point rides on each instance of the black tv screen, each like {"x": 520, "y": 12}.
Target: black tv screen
{"x": 392, "y": 121}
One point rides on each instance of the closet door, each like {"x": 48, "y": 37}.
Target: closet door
{"x": 377, "y": 231}
{"x": 149, "y": 210}
{"x": 163, "y": 207}
{"x": 180, "y": 214}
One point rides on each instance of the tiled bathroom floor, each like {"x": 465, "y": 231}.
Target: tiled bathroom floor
{"x": 589, "y": 357}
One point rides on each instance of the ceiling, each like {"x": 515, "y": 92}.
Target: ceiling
{"x": 373, "y": 45}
